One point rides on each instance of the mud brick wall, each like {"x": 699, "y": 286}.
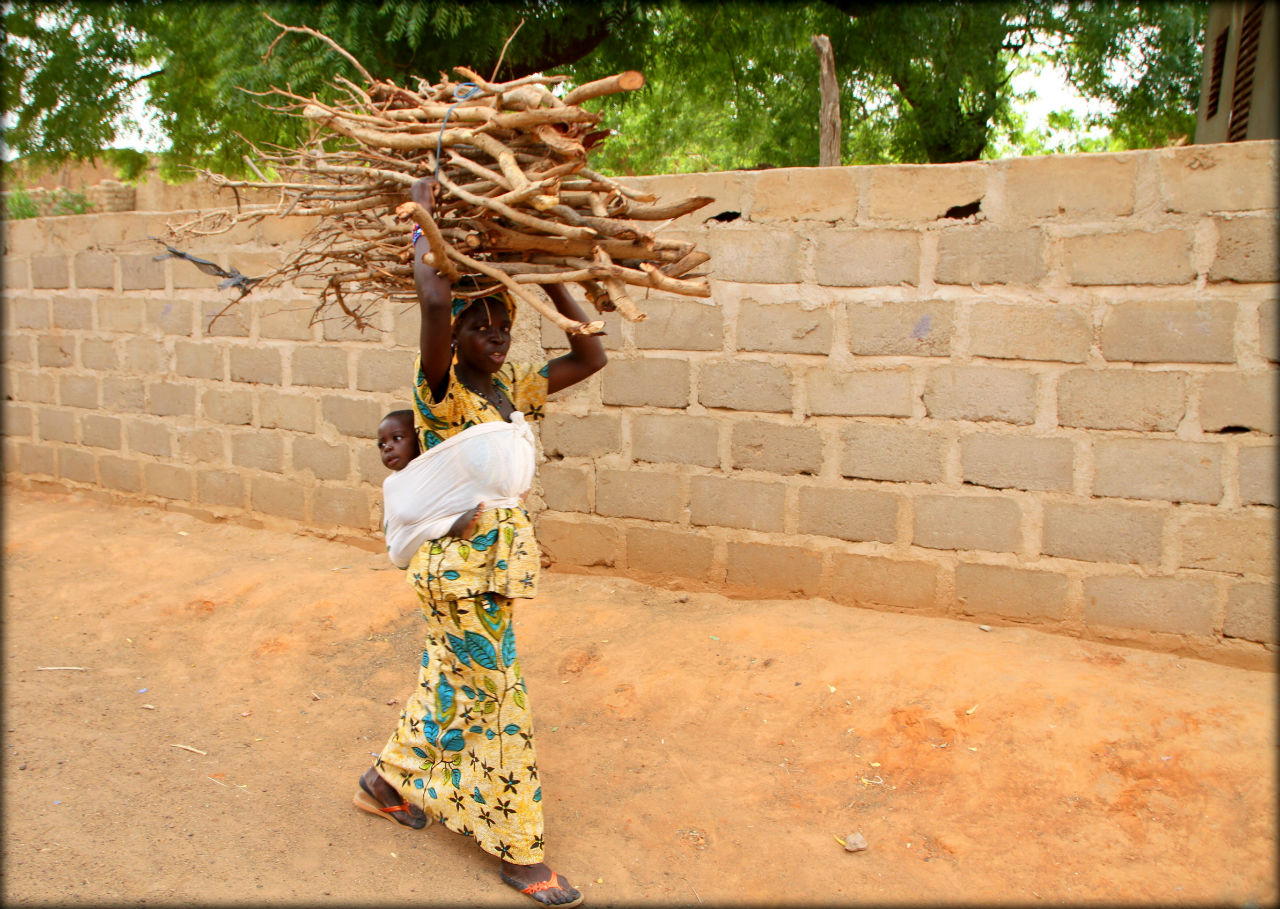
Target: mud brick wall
{"x": 1035, "y": 391}
{"x": 1059, "y": 409}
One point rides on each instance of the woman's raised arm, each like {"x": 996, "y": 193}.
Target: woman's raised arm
{"x": 435, "y": 337}
{"x": 586, "y": 352}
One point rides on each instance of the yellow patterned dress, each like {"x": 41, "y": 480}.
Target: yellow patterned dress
{"x": 463, "y": 750}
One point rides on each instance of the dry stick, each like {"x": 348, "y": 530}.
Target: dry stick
{"x": 315, "y": 34}
{"x": 685, "y": 264}
{"x": 323, "y": 208}
{"x": 505, "y": 44}
{"x": 650, "y": 276}
{"x": 665, "y": 211}
{"x": 563, "y": 322}
{"x": 619, "y": 230}
{"x": 439, "y": 256}
{"x": 616, "y": 290}
{"x": 519, "y": 119}
{"x": 506, "y": 160}
{"x": 478, "y": 169}
{"x": 558, "y": 141}
{"x": 553, "y": 277}
{"x": 507, "y": 239}
{"x": 551, "y": 227}
{"x": 625, "y": 190}
{"x": 622, "y": 82}
{"x": 350, "y": 170}
{"x": 383, "y": 138}
{"x": 501, "y": 87}
{"x": 597, "y": 296}
{"x": 662, "y": 281}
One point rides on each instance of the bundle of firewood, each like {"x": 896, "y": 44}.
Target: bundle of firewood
{"x": 516, "y": 202}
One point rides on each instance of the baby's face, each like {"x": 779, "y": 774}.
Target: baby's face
{"x": 397, "y": 443}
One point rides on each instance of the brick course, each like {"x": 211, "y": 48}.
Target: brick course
{"x": 921, "y": 328}
{"x": 849, "y": 514}
{"x": 745, "y": 385}
{"x": 873, "y": 581}
{"x": 1170, "y": 332}
{"x": 786, "y": 328}
{"x": 1170, "y": 605}
{"x": 1017, "y": 462}
{"x": 1161, "y": 469}
{"x": 776, "y": 448}
{"x": 981, "y": 393}
{"x": 1012, "y": 593}
{"x": 870, "y": 393}
{"x": 662, "y": 438}
{"x": 777, "y": 570}
{"x": 678, "y": 553}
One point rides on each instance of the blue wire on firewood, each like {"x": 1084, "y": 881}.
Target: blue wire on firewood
{"x": 461, "y": 92}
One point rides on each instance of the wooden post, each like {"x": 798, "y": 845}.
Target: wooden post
{"x": 829, "y": 114}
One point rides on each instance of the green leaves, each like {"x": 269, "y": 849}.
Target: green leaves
{"x": 729, "y": 85}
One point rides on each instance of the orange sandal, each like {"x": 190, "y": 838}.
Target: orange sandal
{"x": 552, "y": 883}
{"x": 365, "y": 801}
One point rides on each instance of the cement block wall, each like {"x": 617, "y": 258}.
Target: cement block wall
{"x": 1057, "y": 410}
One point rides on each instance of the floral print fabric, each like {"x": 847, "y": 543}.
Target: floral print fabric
{"x": 463, "y": 750}
{"x": 502, "y": 556}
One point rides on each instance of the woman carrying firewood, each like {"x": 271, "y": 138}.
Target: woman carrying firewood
{"x": 463, "y": 752}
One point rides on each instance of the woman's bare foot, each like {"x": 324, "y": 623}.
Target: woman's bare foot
{"x": 542, "y": 884}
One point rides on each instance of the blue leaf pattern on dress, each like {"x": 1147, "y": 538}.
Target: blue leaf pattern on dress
{"x": 459, "y": 648}
{"x": 484, "y": 540}
{"x": 452, "y": 740}
{"x": 509, "y": 645}
{"x": 481, "y": 650}
{"x": 444, "y": 700}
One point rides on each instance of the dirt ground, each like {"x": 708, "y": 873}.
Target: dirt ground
{"x": 694, "y": 750}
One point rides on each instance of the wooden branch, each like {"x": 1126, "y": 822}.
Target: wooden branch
{"x": 551, "y": 227}
{"x": 302, "y": 29}
{"x": 439, "y": 255}
{"x": 563, "y": 322}
{"x": 617, "y": 292}
{"x": 622, "y": 82}
{"x": 665, "y": 211}
{"x": 685, "y": 264}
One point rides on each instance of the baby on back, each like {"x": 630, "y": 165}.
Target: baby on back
{"x": 440, "y": 492}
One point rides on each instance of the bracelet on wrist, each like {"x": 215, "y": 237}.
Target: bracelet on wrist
{"x": 416, "y": 235}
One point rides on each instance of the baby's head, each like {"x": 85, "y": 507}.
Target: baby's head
{"x": 397, "y": 440}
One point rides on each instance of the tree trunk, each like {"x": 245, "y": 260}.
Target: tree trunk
{"x": 829, "y": 115}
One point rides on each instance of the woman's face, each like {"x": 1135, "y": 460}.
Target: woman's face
{"x": 483, "y": 334}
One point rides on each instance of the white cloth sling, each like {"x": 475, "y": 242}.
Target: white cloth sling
{"x": 489, "y": 464}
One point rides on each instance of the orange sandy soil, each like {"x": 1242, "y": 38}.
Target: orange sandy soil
{"x": 694, "y": 749}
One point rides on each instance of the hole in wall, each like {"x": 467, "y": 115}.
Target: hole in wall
{"x": 964, "y": 211}
{"x": 1232, "y": 429}
{"x": 725, "y": 216}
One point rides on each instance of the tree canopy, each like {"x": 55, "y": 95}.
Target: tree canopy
{"x": 730, "y": 85}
